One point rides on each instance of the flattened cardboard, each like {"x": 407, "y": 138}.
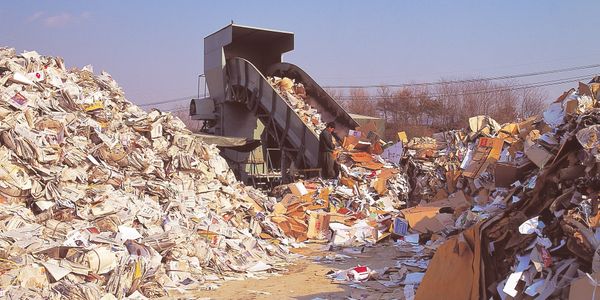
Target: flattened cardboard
{"x": 457, "y": 201}
{"x": 571, "y": 106}
{"x": 462, "y": 255}
{"x": 377, "y": 149}
{"x": 564, "y": 95}
{"x": 583, "y": 288}
{"x": 584, "y": 89}
{"x": 487, "y": 152}
{"x": 526, "y": 126}
{"x": 402, "y": 137}
{"x": 510, "y": 129}
{"x": 427, "y": 219}
{"x": 350, "y": 142}
{"x": 507, "y": 173}
{"x": 363, "y": 146}
{"x": 361, "y": 157}
{"x": 538, "y": 155}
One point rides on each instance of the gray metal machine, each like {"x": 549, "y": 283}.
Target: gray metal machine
{"x": 237, "y": 60}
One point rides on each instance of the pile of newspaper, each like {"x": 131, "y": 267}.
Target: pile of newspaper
{"x": 99, "y": 198}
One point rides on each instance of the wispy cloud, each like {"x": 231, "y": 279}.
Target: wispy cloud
{"x": 35, "y": 16}
{"x": 57, "y": 20}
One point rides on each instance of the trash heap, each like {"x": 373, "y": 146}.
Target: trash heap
{"x": 461, "y": 177}
{"x": 357, "y": 207}
{"x": 295, "y": 95}
{"x": 101, "y": 199}
{"x": 519, "y": 200}
{"x": 540, "y": 237}
{"x": 433, "y": 163}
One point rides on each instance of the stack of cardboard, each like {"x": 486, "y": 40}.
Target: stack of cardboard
{"x": 477, "y": 187}
{"x": 543, "y": 240}
{"x": 368, "y": 189}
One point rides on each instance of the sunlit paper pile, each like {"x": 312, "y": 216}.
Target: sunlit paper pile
{"x": 358, "y": 207}
{"x": 542, "y": 242}
{"x": 100, "y": 198}
{"x": 294, "y": 94}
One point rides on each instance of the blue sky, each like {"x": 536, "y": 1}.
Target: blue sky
{"x": 154, "y": 49}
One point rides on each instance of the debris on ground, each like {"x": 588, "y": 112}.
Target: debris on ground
{"x": 519, "y": 198}
{"x": 99, "y": 199}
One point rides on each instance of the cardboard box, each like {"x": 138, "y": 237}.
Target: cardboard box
{"x": 318, "y": 226}
{"x": 400, "y": 226}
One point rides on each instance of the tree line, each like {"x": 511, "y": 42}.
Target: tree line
{"x": 423, "y": 110}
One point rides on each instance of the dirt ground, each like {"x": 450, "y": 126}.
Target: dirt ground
{"x": 306, "y": 279}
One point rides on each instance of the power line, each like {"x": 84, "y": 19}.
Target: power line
{"x": 476, "y": 92}
{"x": 174, "y": 110}
{"x": 167, "y": 101}
{"x": 420, "y": 84}
{"x": 504, "y": 77}
{"x": 479, "y": 68}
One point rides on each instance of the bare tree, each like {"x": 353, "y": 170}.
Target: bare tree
{"x": 422, "y": 110}
{"x": 336, "y": 94}
{"x": 385, "y": 102}
{"x": 532, "y": 102}
{"x": 360, "y": 102}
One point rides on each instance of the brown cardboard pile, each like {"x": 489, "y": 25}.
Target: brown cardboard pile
{"x": 99, "y": 198}
{"x": 543, "y": 241}
{"x": 485, "y": 166}
{"x": 462, "y": 179}
{"x": 369, "y": 189}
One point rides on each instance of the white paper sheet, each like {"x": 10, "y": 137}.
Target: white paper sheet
{"x": 129, "y": 233}
{"x": 511, "y": 284}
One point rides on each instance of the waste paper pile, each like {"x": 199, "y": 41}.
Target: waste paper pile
{"x": 294, "y": 94}
{"x": 519, "y": 200}
{"x": 100, "y": 199}
{"x": 542, "y": 240}
{"x": 357, "y": 207}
